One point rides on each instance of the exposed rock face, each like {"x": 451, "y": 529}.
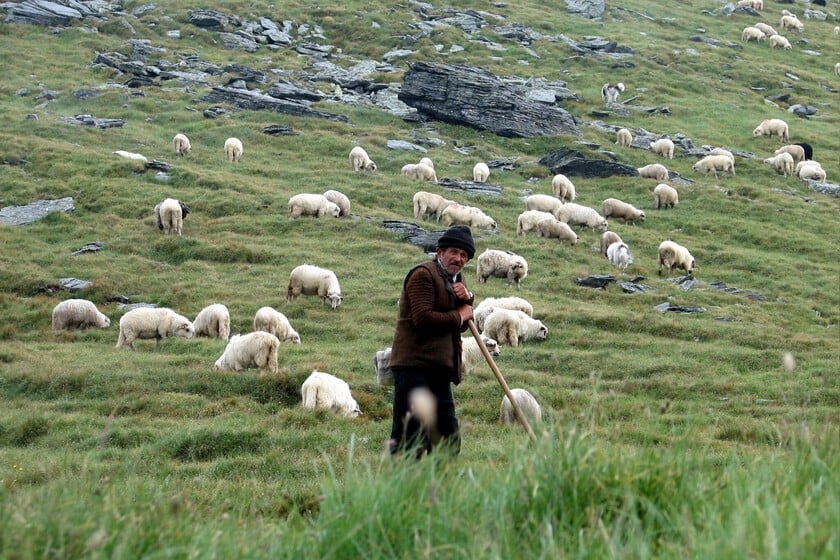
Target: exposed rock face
{"x": 42, "y": 12}
{"x": 592, "y": 9}
{"x": 23, "y": 215}
{"x": 256, "y": 101}
{"x": 474, "y": 97}
{"x": 574, "y": 164}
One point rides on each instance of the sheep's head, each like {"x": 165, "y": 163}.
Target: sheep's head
{"x": 184, "y": 210}
{"x": 334, "y": 299}
{"x": 491, "y": 345}
{"x": 183, "y": 328}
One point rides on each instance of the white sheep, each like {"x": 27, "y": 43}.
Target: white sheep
{"x": 837, "y": 68}
{"x": 552, "y": 228}
{"x": 654, "y": 171}
{"x": 803, "y": 163}
{"x": 619, "y": 255}
{"x": 501, "y": 264}
{"x": 311, "y": 280}
{"x": 326, "y": 391}
{"x": 584, "y": 216}
{"x": 714, "y": 164}
{"x": 360, "y": 160}
{"x": 779, "y": 41}
{"x": 527, "y": 404}
{"x": 181, "y": 144}
{"x": 131, "y": 156}
{"x": 607, "y": 239}
{"x": 339, "y": 199}
{"x": 429, "y": 204}
{"x": 233, "y": 149}
{"x": 791, "y": 22}
{"x": 837, "y": 31}
{"x": 427, "y": 161}
{"x": 610, "y": 92}
{"x": 170, "y": 215}
{"x": 508, "y": 326}
{"x": 543, "y": 203}
{"x": 471, "y": 354}
{"x": 751, "y": 33}
{"x": 783, "y": 163}
{"x": 721, "y": 152}
{"x": 813, "y": 172}
{"x": 529, "y": 219}
{"x": 311, "y": 204}
{"x": 795, "y": 150}
{"x": 458, "y": 214}
{"x": 663, "y": 147}
{"x": 152, "y": 322}
{"x": 615, "y": 208}
{"x": 771, "y": 127}
{"x": 491, "y": 304}
{"x": 563, "y": 188}
{"x": 673, "y": 256}
{"x": 766, "y": 29}
{"x": 481, "y": 172}
{"x": 272, "y": 321}
{"x": 419, "y": 171}
{"x": 213, "y": 321}
{"x": 78, "y": 314}
{"x": 665, "y": 196}
{"x": 624, "y": 137}
{"x": 253, "y": 350}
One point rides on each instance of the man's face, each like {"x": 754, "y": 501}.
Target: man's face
{"x": 453, "y": 259}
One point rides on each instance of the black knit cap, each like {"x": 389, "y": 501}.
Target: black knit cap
{"x": 459, "y": 237}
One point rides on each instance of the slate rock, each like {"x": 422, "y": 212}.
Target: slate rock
{"x": 600, "y": 281}
{"x": 34, "y": 211}
{"x": 669, "y": 307}
{"x": 573, "y": 163}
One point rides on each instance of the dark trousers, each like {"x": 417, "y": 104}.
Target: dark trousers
{"x": 407, "y": 433}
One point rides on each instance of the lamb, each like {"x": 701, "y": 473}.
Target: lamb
{"x": 813, "y": 172}
{"x": 419, "y": 171}
{"x": 770, "y": 127}
{"x": 673, "y": 256}
{"x": 613, "y": 207}
{"x": 131, "y": 156}
{"x": 792, "y": 23}
{"x": 654, "y": 171}
{"x": 765, "y": 28}
{"x": 489, "y": 305}
{"x": 311, "y": 280}
{"x": 213, "y": 321}
{"x": 607, "y": 239}
{"x": 481, "y": 172}
{"x": 431, "y": 204}
{"x": 543, "y": 203}
{"x": 619, "y": 255}
{"x": 751, "y": 33}
{"x": 663, "y": 147}
{"x": 610, "y": 92}
{"x": 458, "y": 214}
{"x": 714, "y": 164}
{"x": 324, "y": 390}
{"x": 529, "y": 219}
{"x": 508, "y": 326}
{"x": 152, "y": 322}
{"x": 576, "y": 214}
{"x": 665, "y": 196}
{"x": 360, "y": 160}
{"x": 778, "y": 41}
{"x": 624, "y": 137}
{"x": 181, "y": 144}
{"x": 170, "y": 215}
{"x": 309, "y": 204}
{"x": 78, "y": 314}
{"x": 795, "y": 150}
{"x": 471, "y": 354}
{"x": 563, "y": 188}
{"x": 527, "y": 404}
{"x": 233, "y": 149}
{"x": 501, "y": 264}
{"x": 340, "y": 200}
{"x": 257, "y": 349}
{"x": 782, "y": 163}
{"x": 272, "y": 321}
{"x": 552, "y": 228}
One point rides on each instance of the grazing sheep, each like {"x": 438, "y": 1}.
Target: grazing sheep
{"x": 429, "y": 204}
{"x": 272, "y": 321}
{"x": 837, "y": 68}
{"x": 152, "y": 322}
{"x": 563, "y": 188}
{"x": 673, "y": 256}
{"x": 170, "y": 215}
{"x": 803, "y": 163}
{"x": 714, "y": 164}
{"x": 508, "y": 326}
{"x": 324, "y": 390}
{"x": 543, "y": 203}
{"x": 837, "y": 32}
{"x": 607, "y": 239}
{"x": 360, "y": 160}
{"x": 665, "y": 196}
{"x": 624, "y": 137}
{"x": 501, "y": 264}
{"x": 619, "y": 255}
{"x": 213, "y": 321}
{"x": 340, "y": 200}
{"x": 460, "y": 215}
{"x": 233, "y": 149}
{"x": 181, "y": 144}
{"x": 527, "y": 404}
{"x": 765, "y": 28}
{"x": 754, "y": 4}
{"x": 751, "y": 33}
{"x": 795, "y": 150}
{"x": 419, "y": 171}
{"x": 663, "y": 147}
{"x": 309, "y": 204}
{"x": 552, "y": 228}
{"x": 770, "y": 127}
{"x": 427, "y": 161}
{"x": 310, "y": 281}
{"x": 382, "y": 367}
{"x": 78, "y": 314}
{"x": 481, "y": 172}
{"x": 721, "y": 152}
{"x": 813, "y": 172}
{"x": 243, "y": 351}
{"x": 471, "y": 354}
{"x": 806, "y": 147}
{"x": 654, "y": 171}
{"x": 489, "y": 305}
{"x": 778, "y": 41}
{"x": 792, "y": 23}
{"x": 131, "y": 156}
{"x": 783, "y": 163}
{"x": 613, "y": 207}
{"x": 529, "y": 219}
{"x": 584, "y": 216}
{"x": 610, "y": 92}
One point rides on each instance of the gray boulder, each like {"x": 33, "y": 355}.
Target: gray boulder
{"x": 572, "y": 163}
{"x": 28, "y": 213}
{"x": 592, "y": 9}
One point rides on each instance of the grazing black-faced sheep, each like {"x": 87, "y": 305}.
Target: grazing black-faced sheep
{"x": 340, "y": 200}
{"x": 508, "y": 326}
{"x": 489, "y": 305}
{"x": 170, "y": 215}
{"x": 615, "y": 208}
{"x": 563, "y": 188}
{"x": 310, "y": 281}
{"x": 429, "y": 204}
{"x": 272, "y": 321}
{"x": 665, "y": 196}
{"x": 458, "y": 214}
{"x": 607, "y": 239}
{"x": 663, "y": 147}
{"x": 311, "y": 204}
{"x": 584, "y": 216}
{"x": 771, "y": 127}
{"x": 654, "y": 171}
{"x": 552, "y": 228}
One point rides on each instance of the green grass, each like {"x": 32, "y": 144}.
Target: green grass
{"x": 664, "y": 435}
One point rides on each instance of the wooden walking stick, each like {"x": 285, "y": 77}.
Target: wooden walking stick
{"x": 518, "y": 411}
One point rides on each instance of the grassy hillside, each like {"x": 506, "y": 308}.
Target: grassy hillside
{"x": 662, "y": 433}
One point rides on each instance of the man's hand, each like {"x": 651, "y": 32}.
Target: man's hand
{"x": 461, "y": 291}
